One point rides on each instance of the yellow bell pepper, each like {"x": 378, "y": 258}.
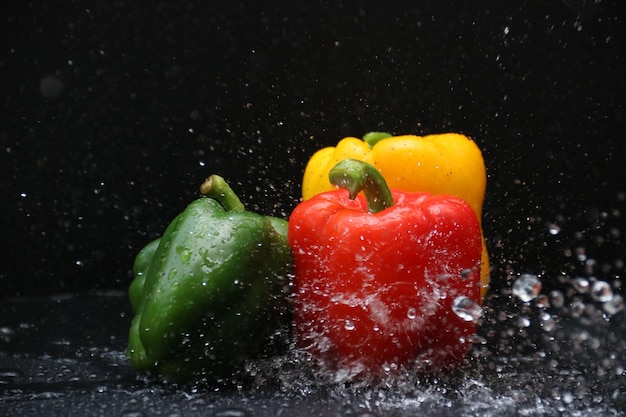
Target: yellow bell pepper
{"x": 448, "y": 163}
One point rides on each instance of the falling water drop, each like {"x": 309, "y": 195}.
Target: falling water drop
{"x": 614, "y": 305}
{"x": 557, "y": 298}
{"x": 467, "y": 309}
{"x": 601, "y": 291}
{"x": 527, "y": 287}
{"x": 581, "y": 285}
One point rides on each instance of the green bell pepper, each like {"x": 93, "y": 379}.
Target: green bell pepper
{"x": 140, "y": 269}
{"x": 212, "y": 292}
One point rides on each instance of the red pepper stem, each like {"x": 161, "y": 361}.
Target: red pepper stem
{"x": 356, "y": 176}
{"x": 217, "y": 188}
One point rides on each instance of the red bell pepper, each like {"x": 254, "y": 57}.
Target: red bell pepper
{"x": 384, "y": 280}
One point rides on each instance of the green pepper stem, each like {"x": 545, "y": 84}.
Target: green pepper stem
{"x": 217, "y": 188}
{"x": 372, "y": 138}
{"x": 356, "y": 176}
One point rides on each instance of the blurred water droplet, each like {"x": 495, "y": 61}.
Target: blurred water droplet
{"x": 581, "y": 254}
{"x": 51, "y": 87}
{"x": 523, "y": 322}
{"x": 567, "y": 397}
{"x": 476, "y": 339}
{"x": 527, "y": 287}
{"x": 347, "y": 411}
{"x": 601, "y": 291}
{"x": 547, "y": 322}
{"x": 6, "y": 334}
{"x": 614, "y": 305}
{"x": 577, "y": 308}
{"x": 467, "y": 309}
{"x": 132, "y": 413}
{"x": 8, "y": 376}
{"x": 557, "y": 298}
{"x": 349, "y": 325}
{"x": 581, "y": 285}
{"x": 411, "y": 313}
{"x": 553, "y": 229}
{"x": 231, "y": 412}
{"x": 542, "y": 301}
{"x": 467, "y": 274}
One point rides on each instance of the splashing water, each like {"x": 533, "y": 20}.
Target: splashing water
{"x": 559, "y": 349}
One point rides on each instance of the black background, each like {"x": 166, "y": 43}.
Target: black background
{"x": 112, "y": 114}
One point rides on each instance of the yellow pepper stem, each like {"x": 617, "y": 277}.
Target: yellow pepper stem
{"x": 372, "y": 138}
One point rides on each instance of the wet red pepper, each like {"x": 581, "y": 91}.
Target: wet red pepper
{"x": 384, "y": 279}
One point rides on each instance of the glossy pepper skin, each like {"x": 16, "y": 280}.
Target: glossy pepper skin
{"x": 140, "y": 270}
{"x": 212, "y": 292}
{"x": 448, "y": 163}
{"x": 377, "y": 275}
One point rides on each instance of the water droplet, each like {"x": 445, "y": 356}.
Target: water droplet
{"x": 476, "y": 339}
{"x": 467, "y": 309}
{"x": 542, "y": 301}
{"x": 8, "y": 376}
{"x": 614, "y": 305}
{"x": 6, "y": 334}
{"x": 411, "y": 313}
{"x": 231, "y": 412}
{"x": 172, "y": 273}
{"x": 51, "y": 87}
{"x": 467, "y": 274}
{"x": 349, "y": 325}
{"x": 132, "y": 413}
{"x": 553, "y": 229}
{"x": 527, "y": 287}
{"x": 577, "y": 308}
{"x": 601, "y": 291}
{"x": 558, "y": 299}
{"x": 184, "y": 253}
{"x": 547, "y": 322}
{"x": 581, "y": 285}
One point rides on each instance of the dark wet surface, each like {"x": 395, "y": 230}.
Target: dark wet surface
{"x": 65, "y": 356}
